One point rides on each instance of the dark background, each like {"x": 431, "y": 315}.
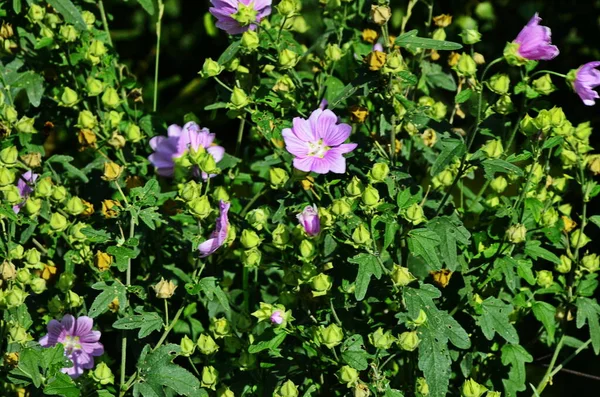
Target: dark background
{"x": 185, "y": 44}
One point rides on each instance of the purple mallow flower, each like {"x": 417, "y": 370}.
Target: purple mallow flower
{"x": 535, "y": 41}
{"x": 219, "y": 235}
{"x": 277, "y": 317}
{"x": 587, "y": 77}
{"x": 25, "y": 189}
{"x": 309, "y": 220}
{"x": 378, "y": 47}
{"x": 237, "y": 16}
{"x": 177, "y": 142}
{"x": 80, "y": 342}
{"x": 318, "y": 143}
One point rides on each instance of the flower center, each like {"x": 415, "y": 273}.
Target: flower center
{"x": 71, "y": 343}
{"x": 246, "y": 14}
{"x": 317, "y": 149}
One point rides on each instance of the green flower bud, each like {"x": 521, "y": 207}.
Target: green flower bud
{"x": 258, "y": 218}
{"x": 543, "y": 121}
{"x": 15, "y": 297}
{"x": 499, "y": 83}
{"x": 250, "y": 239}
{"x": 333, "y": 53}
{"x": 439, "y": 34}
{"x": 439, "y": 111}
{"x": 307, "y": 249}
{"x": 220, "y": 193}
{"x": 420, "y": 320}
{"x": 74, "y": 299}
{"x": 68, "y": 33}
{"x": 97, "y": 48}
{"x": 288, "y": 59}
{"x": 16, "y": 252}
{"x": 354, "y": 188}
{"x": 583, "y": 131}
{"x": 33, "y": 257}
{"x": 516, "y": 233}
{"x": 66, "y": 281}
{"x": 287, "y": 8}
{"x": 69, "y": 97}
{"x": 55, "y": 305}
{"x": 251, "y": 258}
{"x": 250, "y": 40}
{"x": 493, "y": 394}
{"x": 7, "y": 176}
{"x": 499, "y": 184}
{"x": 110, "y": 98}
{"x": 568, "y": 158}
{"x": 238, "y": 99}
{"x": 8, "y": 156}
{"x": 88, "y": 17}
{"x": 511, "y": 55}
{"x": 74, "y": 206}
{"x": 36, "y": 13}
{"x": 426, "y": 101}
{"x": 281, "y": 236}
{"x": 59, "y": 194}
{"x": 402, "y": 276}
{"x": 503, "y": 105}
{"x": 550, "y": 217}
{"x": 591, "y": 262}
{"x": 86, "y": 119}
{"x": 393, "y": 63}
{"x": 470, "y": 36}
{"x": 537, "y": 173}
{"x": 347, "y": 375}
{"x": 209, "y": 377}
{"x": 564, "y": 266}
{"x": 133, "y": 133}
{"x": 190, "y": 191}
{"x": 340, "y": 207}
{"x": 466, "y": 66}
{"x": 207, "y": 345}
{"x": 8, "y": 271}
{"x": 287, "y": 389}
{"x": 472, "y": 389}
{"x": 579, "y": 239}
{"x": 200, "y": 207}
{"x": 320, "y": 284}
{"x": 11, "y": 195}
{"x": 543, "y": 85}
{"x": 211, "y": 68}
{"x": 33, "y": 206}
{"x": 528, "y": 126}
{"x": 330, "y": 336}
{"x": 26, "y": 125}
{"x": 379, "y": 172}
{"x": 493, "y": 149}
{"x": 220, "y": 327}
{"x": 544, "y": 278}
{"x": 557, "y": 117}
{"x": 58, "y": 223}
{"x": 361, "y": 235}
{"x": 422, "y": 387}
{"x": 408, "y": 340}
{"x": 10, "y": 114}
{"x": 38, "y": 285}
{"x": 225, "y": 392}
{"x": 278, "y": 177}
{"x": 187, "y": 346}
{"x": 103, "y": 375}
{"x": 414, "y": 214}
{"x": 370, "y": 196}
{"x": 93, "y": 86}
{"x": 381, "y": 339}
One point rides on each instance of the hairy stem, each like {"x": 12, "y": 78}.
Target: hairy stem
{"x": 161, "y": 9}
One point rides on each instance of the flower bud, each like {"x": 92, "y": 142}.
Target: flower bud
{"x": 579, "y": 239}
{"x": 504, "y": 105}
{"x": 380, "y": 14}
{"x": 287, "y": 389}
{"x": 528, "y": 125}
{"x": 472, "y": 389}
{"x": 200, "y": 207}
{"x": 358, "y": 114}
{"x": 347, "y": 375}
{"x": 7, "y": 176}
{"x": 220, "y": 193}
{"x": 86, "y": 119}
{"x": 516, "y": 233}
{"x": 420, "y": 320}
{"x": 74, "y": 206}
{"x": 93, "y": 86}
{"x": 238, "y": 99}
{"x": 225, "y": 392}
{"x": 402, "y": 276}
{"x": 379, "y": 172}
{"x": 330, "y": 336}
{"x": 250, "y": 239}
{"x": 11, "y": 195}
{"x": 110, "y": 98}
{"x": 439, "y": 34}
{"x": 333, "y": 53}
{"x": 33, "y": 257}
{"x": 499, "y": 184}
{"x": 564, "y": 266}
{"x": 408, "y": 340}
{"x": 321, "y": 284}
{"x": 251, "y": 258}
{"x": 370, "y": 196}
{"x": 544, "y": 278}
{"x": 97, "y": 48}
{"x": 549, "y": 217}
{"x": 133, "y": 133}
{"x": 211, "y": 68}
{"x": 66, "y": 282}
{"x": 478, "y": 58}
{"x": 8, "y": 271}
{"x": 375, "y": 60}
{"x": 209, "y": 377}
{"x": 361, "y": 235}
{"x": 15, "y": 297}
{"x": 69, "y": 97}
{"x": 250, "y": 40}
{"x": 58, "y": 223}
{"x": 207, "y": 345}
{"x": 68, "y": 33}
{"x": 103, "y": 375}
{"x": 281, "y": 236}
{"x": 190, "y": 191}
{"x": 164, "y": 289}
{"x": 557, "y": 117}
{"x": 102, "y": 261}
{"x": 466, "y": 66}
{"x": 9, "y": 155}
{"x": 499, "y": 83}
{"x": 470, "y": 36}
{"x": 112, "y": 171}
{"x": 74, "y": 299}
{"x": 354, "y": 188}
{"x": 422, "y": 387}
{"x": 288, "y": 8}
{"x": 220, "y": 327}
{"x": 493, "y": 149}
{"x": 110, "y": 208}
{"x": 36, "y": 13}
{"x": 16, "y": 252}
{"x": 340, "y": 207}
{"x": 543, "y": 85}
{"x": 288, "y": 59}
{"x": 381, "y": 339}
{"x": 568, "y": 158}
{"x": 429, "y": 137}
{"x": 37, "y": 285}
{"x": 591, "y": 262}
{"x": 278, "y": 177}
{"x": 307, "y": 249}
{"x": 414, "y": 214}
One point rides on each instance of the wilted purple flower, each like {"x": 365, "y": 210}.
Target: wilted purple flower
{"x": 309, "y": 220}
{"x": 237, "y": 16}
{"x": 177, "y": 142}
{"x": 25, "y": 189}
{"x": 276, "y": 317}
{"x": 80, "y": 342}
{"x": 317, "y": 143}
{"x": 587, "y": 78}
{"x": 218, "y": 236}
{"x": 534, "y": 41}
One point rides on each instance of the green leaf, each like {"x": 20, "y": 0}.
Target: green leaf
{"x": 361, "y": 81}
{"x": 367, "y": 266}
{"x": 435, "y": 362}
{"x": 595, "y": 219}
{"x": 28, "y": 368}
{"x": 269, "y": 340}
{"x": 146, "y": 322}
{"x": 65, "y": 161}
{"x": 147, "y": 5}
{"x": 334, "y": 88}
{"x": 62, "y": 385}
{"x": 534, "y": 250}
{"x": 329, "y": 245}
{"x": 354, "y": 353}
{"x": 149, "y": 216}
{"x": 516, "y": 356}
{"x": 228, "y": 161}
{"x": 495, "y": 318}
{"x": 17, "y": 6}
{"x": 535, "y": 207}
{"x": 69, "y": 12}
{"x": 554, "y": 141}
{"x": 450, "y": 230}
{"x": 108, "y": 294}
{"x": 545, "y": 313}
{"x": 33, "y": 84}
{"x": 410, "y": 39}
{"x": 122, "y": 256}
{"x": 95, "y": 236}
{"x": 492, "y": 166}
{"x": 463, "y": 96}
{"x": 53, "y": 358}
{"x": 423, "y": 243}
{"x": 451, "y": 148}
{"x": 587, "y": 312}
{"x": 212, "y": 290}
{"x": 229, "y": 53}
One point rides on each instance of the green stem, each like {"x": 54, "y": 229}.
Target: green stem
{"x": 161, "y": 9}
{"x": 238, "y": 143}
{"x": 105, "y": 22}
{"x": 222, "y": 84}
{"x": 246, "y": 289}
{"x": 564, "y": 76}
{"x": 166, "y": 313}
{"x": 335, "y": 316}
{"x": 553, "y": 371}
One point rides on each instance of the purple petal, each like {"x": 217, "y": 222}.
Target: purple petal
{"x": 94, "y": 349}
{"x": 217, "y": 152}
{"x": 586, "y": 80}
{"x": 337, "y": 135}
{"x": 304, "y": 163}
{"x": 68, "y": 323}
{"x": 535, "y": 41}
{"x": 294, "y": 145}
{"x": 346, "y": 148}
{"x": 174, "y": 130}
{"x": 302, "y": 129}
{"x": 83, "y": 326}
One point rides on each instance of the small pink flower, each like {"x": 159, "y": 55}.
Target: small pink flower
{"x": 277, "y": 317}
{"x": 309, "y": 220}
{"x": 80, "y": 342}
{"x": 219, "y": 235}
{"x": 238, "y": 16}
{"x": 24, "y": 185}
{"x": 318, "y": 143}
{"x": 586, "y": 79}
{"x": 535, "y": 41}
